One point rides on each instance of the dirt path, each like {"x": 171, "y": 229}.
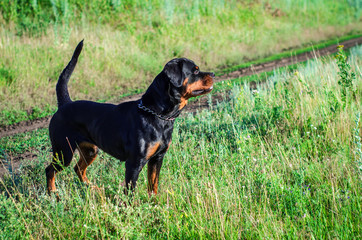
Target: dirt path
{"x": 27, "y": 126}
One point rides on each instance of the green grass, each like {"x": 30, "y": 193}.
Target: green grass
{"x": 128, "y": 42}
{"x": 278, "y": 162}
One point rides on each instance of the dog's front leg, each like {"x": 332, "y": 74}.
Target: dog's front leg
{"x": 153, "y": 173}
{"x": 133, "y": 169}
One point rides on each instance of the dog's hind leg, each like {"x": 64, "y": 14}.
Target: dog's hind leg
{"x": 87, "y": 154}
{"x": 60, "y": 160}
{"x": 50, "y": 172}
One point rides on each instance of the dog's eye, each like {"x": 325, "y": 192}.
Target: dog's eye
{"x": 196, "y": 72}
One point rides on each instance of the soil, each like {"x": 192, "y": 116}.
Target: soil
{"x": 27, "y": 126}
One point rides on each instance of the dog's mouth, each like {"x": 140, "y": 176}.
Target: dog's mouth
{"x": 202, "y": 91}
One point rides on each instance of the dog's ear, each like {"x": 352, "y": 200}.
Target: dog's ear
{"x": 173, "y": 70}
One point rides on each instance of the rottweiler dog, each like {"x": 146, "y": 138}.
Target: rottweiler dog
{"x": 137, "y": 132}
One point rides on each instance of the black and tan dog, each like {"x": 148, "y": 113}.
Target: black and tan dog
{"x": 137, "y": 132}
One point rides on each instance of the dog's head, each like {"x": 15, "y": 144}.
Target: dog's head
{"x": 186, "y": 76}
{"x": 179, "y": 80}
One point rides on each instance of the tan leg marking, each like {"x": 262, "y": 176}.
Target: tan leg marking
{"x": 152, "y": 175}
{"x": 152, "y": 171}
{"x": 87, "y": 155}
{"x": 51, "y": 183}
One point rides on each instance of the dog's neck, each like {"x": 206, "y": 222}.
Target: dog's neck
{"x": 155, "y": 99}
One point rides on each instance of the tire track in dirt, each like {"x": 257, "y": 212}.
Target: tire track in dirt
{"x": 27, "y": 126}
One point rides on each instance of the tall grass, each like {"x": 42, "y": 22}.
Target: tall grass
{"x": 358, "y": 145}
{"x": 275, "y": 162}
{"x": 128, "y": 42}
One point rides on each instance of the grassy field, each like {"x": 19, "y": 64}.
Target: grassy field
{"x": 128, "y": 42}
{"x": 282, "y": 161}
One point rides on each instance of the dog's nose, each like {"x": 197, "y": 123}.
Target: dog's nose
{"x": 212, "y": 75}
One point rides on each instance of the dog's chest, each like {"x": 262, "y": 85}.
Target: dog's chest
{"x": 156, "y": 140}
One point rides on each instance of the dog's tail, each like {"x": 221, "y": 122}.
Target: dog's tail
{"x": 62, "y": 85}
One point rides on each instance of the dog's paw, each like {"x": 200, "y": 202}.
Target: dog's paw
{"x": 54, "y": 193}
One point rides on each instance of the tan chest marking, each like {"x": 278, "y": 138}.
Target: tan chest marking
{"x": 152, "y": 149}
{"x": 183, "y": 103}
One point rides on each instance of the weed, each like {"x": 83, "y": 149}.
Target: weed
{"x": 347, "y": 76}
{"x": 6, "y": 76}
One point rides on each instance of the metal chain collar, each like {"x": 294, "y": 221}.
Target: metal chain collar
{"x": 146, "y": 109}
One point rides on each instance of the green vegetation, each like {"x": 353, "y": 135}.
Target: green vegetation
{"x": 128, "y": 42}
{"x": 347, "y": 76}
{"x": 281, "y": 161}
